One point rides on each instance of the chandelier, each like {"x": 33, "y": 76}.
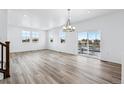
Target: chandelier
{"x": 67, "y": 27}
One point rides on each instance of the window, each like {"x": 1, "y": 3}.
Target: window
{"x": 28, "y": 35}
{"x": 89, "y": 43}
{"x": 25, "y": 36}
{"x": 35, "y": 36}
{"x": 50, "y": 37}
{"x": 62, "y": 37}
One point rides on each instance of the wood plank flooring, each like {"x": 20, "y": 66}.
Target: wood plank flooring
{"x": 50, "y": 67}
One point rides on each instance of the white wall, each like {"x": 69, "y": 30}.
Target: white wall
{"x": 123, "y": 63}
{"x": 111, "y": 27}
{"x": 16, "y": 45}
{"x": 3, "y": 25}
{"x": 68, "y": 46}
{"x": 19, "y": 21}
{"x": 123, "y": 68}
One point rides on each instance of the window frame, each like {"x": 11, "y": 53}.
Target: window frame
{"x": 26, "y": 36}
{"x": 62, "y": 36}
{"x": 35, "y": 36}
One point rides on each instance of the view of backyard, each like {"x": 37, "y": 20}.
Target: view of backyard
{"x": 89, "y": 43}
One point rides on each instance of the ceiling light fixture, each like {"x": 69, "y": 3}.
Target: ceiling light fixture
{"x": 25, "y": 15}
{"x": 88, "y": 11}
{"x": 67, "y": 27}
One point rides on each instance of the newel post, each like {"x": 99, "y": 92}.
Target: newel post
{"x": 7, "y": 59}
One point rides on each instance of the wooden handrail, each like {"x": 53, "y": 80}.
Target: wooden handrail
{"x": 6, "y": 70}
{"x": 2, "y": 44}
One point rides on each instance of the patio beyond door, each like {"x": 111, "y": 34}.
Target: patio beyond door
{"x": 89, "y": 43}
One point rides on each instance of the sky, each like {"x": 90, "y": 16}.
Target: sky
{"x": 90, "y": 35}
{"x": 62, "y": 34}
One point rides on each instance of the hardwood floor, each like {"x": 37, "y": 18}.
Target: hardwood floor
{"x": 50, "y": 67}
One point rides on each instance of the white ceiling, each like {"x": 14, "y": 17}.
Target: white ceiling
{"x": 45, "y": 19}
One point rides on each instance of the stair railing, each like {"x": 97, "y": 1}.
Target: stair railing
{"x": 5, "y": 66}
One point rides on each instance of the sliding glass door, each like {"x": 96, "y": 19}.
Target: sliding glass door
{"x": 82, "y": 43}
{"x": 89, "y": 43}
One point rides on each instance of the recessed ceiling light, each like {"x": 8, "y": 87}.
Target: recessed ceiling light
{"x": 25, "y": 15}
{"x": 88, "y": 11}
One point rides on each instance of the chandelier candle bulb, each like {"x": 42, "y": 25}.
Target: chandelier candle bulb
{"x": 67, "y": 27}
